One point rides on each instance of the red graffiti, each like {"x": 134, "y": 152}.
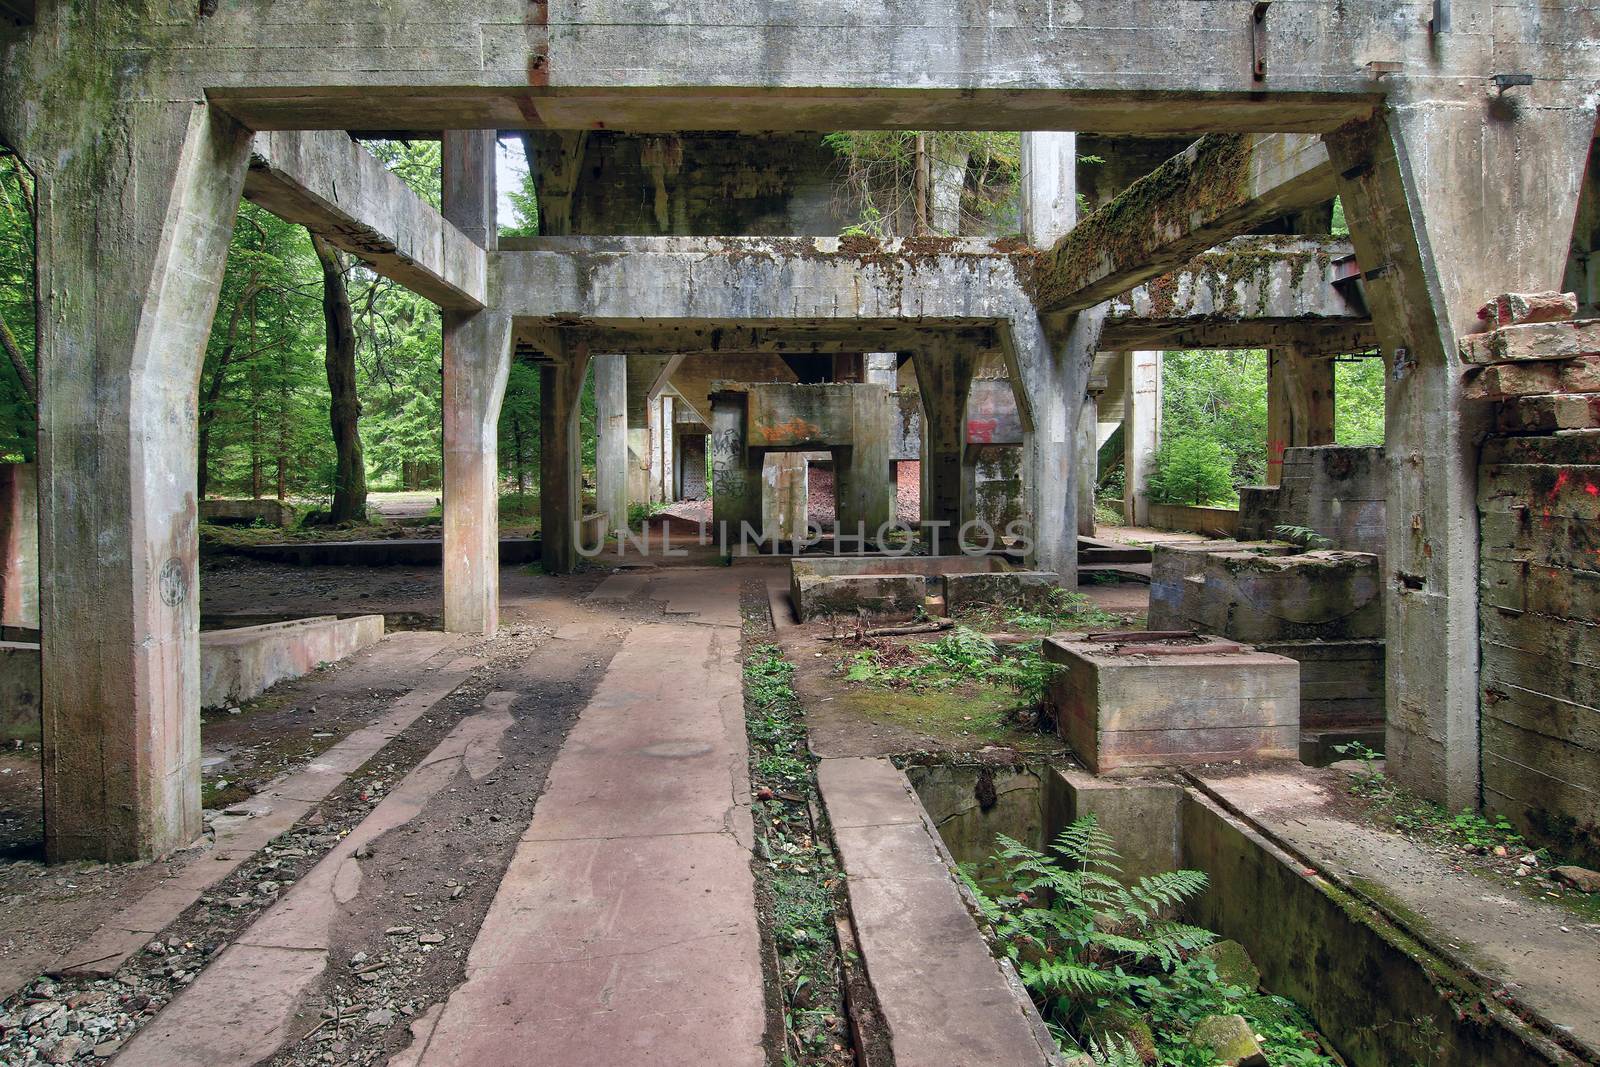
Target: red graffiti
{"x": 981, "y": 431}
{"x": 1591, "y": 489}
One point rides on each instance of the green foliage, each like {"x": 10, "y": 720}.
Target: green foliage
{"x": 1102, "y": 956}
{"x": 964, "y": 656}
{"x": 1304, "y": 536}
{"x": 880, "y": 174}
{"x": 1190, "y": 469}
{"x": 1219, "y": 396}
{"x": 1358, "y": 389}
{"x": 18, "y": 424}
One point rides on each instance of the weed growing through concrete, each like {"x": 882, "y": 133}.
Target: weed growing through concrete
{"x": 795, "y": 865}
{"x": 1108, "y": 965}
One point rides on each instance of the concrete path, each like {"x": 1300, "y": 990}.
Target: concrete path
{"x": 944, "y": 998}
{"x": 625, "y": 928}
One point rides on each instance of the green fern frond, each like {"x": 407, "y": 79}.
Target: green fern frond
{"x": 1065, "y": 975}
{"x": 1118, "y": 1051}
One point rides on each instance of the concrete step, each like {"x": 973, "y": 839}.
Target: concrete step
{"x": 944, "y": 997}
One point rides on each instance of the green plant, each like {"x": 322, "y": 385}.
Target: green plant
{"x": 1304, "y": 536}
{"x": 1189, "y": 469}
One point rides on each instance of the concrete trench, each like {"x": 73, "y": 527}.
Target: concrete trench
{"x": 1374, "y": 981}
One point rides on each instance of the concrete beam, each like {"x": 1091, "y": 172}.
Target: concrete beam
{"x": 1217, "y": 188}
{"x": 677, "y": 337}
{"x": 1250, "y": 292}
{"x": 330, "y": 184}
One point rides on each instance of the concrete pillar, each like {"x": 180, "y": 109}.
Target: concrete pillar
{"x": 19, "y": 545}
{"x": 863, "y": 489}
{"x": 1448, "y": 205}
{"x": 1141, "y": 433}
{"x": 477, "y": 361}
{"x": 1088, "y": 462}
{"x": 1055, "y": 373}
{"x": 133, "y": 235}
{"x": 1049, "y": 193}
{"x": 883, "y": 368}
{"x": 785, "y": 496}
{"x": 561, "y": 453}
{"x": 692, "y": 466}
{"x": 611, "y": 439}
{"x": 1299, "y": 404}
{"x": 668, "y": 408}
{"x": 735, "y": 488}
{"x": 944, "y": 378}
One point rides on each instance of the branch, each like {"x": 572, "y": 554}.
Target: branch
{"x": 19, "y": 362}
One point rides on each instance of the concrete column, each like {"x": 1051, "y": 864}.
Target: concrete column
{"x": 883, "y": 368}
{"x": 1299, "y": 404}
{"x": 560, "y": 474}
{"x": 785, "y": 496}
{"x": 1055, "y": 368}
{"x": 1049, "y": 193}
{"x": 611, "y": 439}
{"x": 944, "y": 378}
{"x": 669, "y": 421}
{"x": 735, "y": 494}
{"x": 19, "y": 545}
{"x": 477, "y": 361}
{"x": 1141, "y": 433}
{"x": 1088, "y": 462}
{"x": 133, "y": 235}
{"x": 863, "y": 489}
{"x": 1448, "y": 205}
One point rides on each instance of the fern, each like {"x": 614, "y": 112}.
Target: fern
{"x": 1118, "y": 1051}
{"x": 1079, "y": 936}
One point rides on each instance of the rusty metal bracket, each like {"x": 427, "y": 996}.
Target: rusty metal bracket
{"x": 1132, "y": 637}
{"x": 1258, "y": 39}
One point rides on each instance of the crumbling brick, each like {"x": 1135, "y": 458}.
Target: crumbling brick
{"x": 1552, "y": 411}
{"x": 1533, "y": 341}
{"x": 1509, "y": 309}
{"x": 1501, "y": 381}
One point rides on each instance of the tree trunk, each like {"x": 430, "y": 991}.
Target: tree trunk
{"x": 919, "y": 180}
{"x": 344, "y": 408}
{"x": 516, "y": 444}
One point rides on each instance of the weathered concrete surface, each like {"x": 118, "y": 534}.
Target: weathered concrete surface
{"x": 274, "y": 512}
{"x": 1024, "y": 589}
{"x": 1269, "y": 292}
{"x": 477, "y": 362}
{"x": 880, "y": 586}
{"x": 1141, "y": 705}
{"x": 1217, "y": 188}
{"x": 1299, "y": 404}
{"x": 611, "y": 438}
{"x": 1341, "y": 685}
{"x": 1336, "y": 490}
{"x": 129, "y": 269}
{"x": 1142, "y": 815}
{"x": 1397, "y": 985}
{"x": 1250, "y": 595}
{"x": 944, "y": 380}
{"x": 560, "y": 456}
{"x": 19, "y": 545}
{"x": 237, "y": 664}
{"x": 1141, "y": 433}
{"x": 1539, "y": 573}
{"x": 242, "y": 1006}
{"x": 625, "y": 928}
{"x": 785, "y": 497}
{"x": 330, "y": 184}
{"x": 942, "y": 995}
{"x": 1458, "y": 203}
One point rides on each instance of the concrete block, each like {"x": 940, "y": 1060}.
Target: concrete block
{"x": 238, "y": 664}
{"x": 1172, "y": 703}
{"x": 1538, "y": 340}
{"x": 1141, "y": 814}
{"x": 243, "y": 512}
{"x": 963, "y": 592}
{"x": 1256, "y": 594}
{"x": 1551, "y": 411}
{"x": 877, "y": 596}
{"x": 1510, "y": 309}
{"x": 1341, "y": 682}
{"x": 815, "y": 588}
{"x": 1502, "y": 381}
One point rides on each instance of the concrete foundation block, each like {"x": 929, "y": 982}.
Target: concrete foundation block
{"x": 238, "y": 664}
{"x": 877, "y": 596}
{"x": 1253, "y": 593}
{"x": 963, "y": 592}
{"x": 1341, "y": 682}
{"x": 1165, "y": 703}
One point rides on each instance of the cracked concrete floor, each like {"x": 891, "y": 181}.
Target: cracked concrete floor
{"x": 623, "y": 927}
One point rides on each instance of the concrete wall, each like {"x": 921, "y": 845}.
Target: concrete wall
{"x": 1337, "y": 491}
{"x": 1540, "y": 645}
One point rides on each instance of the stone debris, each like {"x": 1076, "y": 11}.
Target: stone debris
{"x": 1509, "y": 309}
{"x": 1230, "y": 1040}
{"x": 1532, "y": 341}
{"x": 1579, "y": 878}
